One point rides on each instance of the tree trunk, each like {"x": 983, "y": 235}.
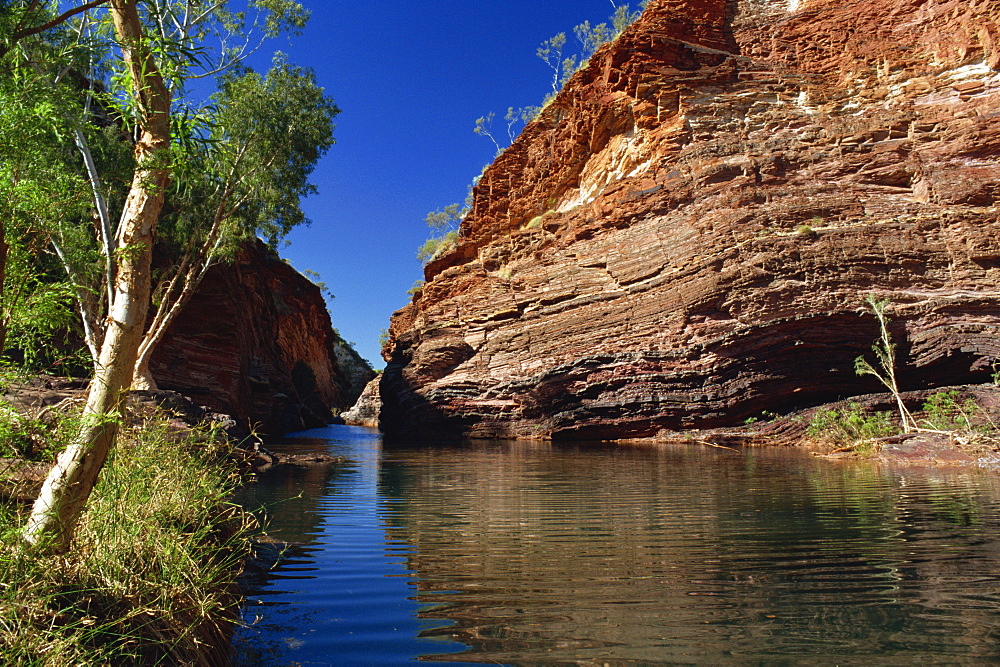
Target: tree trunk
{"x": 166, "y": 313}
{"x": 142, "y": 377}
{"x": 68, "y": 486}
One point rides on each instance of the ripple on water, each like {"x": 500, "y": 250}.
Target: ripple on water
{"x": 527, "y": 553}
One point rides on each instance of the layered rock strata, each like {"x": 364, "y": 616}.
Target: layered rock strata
{"x": 256, "y": 342}
{"x": 684, "y": 237}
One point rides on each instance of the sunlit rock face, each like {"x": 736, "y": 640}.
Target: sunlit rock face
{"x": 256, "y": 342}
{"x": 685, "y": 236}
{"x": 366, "y": 410}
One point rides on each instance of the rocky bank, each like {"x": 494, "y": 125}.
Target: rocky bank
{"x": 684, "y": 237}
{"x": 256, "y": 342}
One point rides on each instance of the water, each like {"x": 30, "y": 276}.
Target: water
{"x": 528, "y": 553}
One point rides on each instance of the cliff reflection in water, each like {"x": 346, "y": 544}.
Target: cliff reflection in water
{"x": 290, "y": 493}
{"x": 542, "y": 554}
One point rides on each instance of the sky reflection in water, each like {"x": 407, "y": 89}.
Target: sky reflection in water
{"x": 523, "y": 553}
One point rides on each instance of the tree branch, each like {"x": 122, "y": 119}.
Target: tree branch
{"x": 69, "y": 13}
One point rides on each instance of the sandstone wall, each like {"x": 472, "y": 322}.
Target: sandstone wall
{"x": 637, "y": 260}
{"x": 256, "y": 342}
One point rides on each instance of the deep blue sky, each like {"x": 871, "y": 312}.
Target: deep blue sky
{"x": 410, "y": 77}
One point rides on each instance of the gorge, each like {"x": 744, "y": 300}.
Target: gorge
{"x": 684, "y": 237}
{"x": 690, "y": 247}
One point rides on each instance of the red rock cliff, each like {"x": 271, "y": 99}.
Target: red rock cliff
{"x": 685, "y": 235}
{"x": 256, "y": 342}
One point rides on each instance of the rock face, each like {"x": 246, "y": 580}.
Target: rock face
{"x": 256, "y": 342}
{"x": 685, "y": 236}
{"x": 368, "y": 407}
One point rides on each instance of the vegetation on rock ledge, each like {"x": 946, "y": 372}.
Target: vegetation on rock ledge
{"x": 445, "y": 221}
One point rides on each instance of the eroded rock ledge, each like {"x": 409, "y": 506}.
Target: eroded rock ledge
{"x": 685, "y": 235}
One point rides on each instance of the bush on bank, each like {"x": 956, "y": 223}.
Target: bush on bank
{"x": 149, "y": 577}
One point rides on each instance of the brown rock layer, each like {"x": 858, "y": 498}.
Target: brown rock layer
{"x": 685, "y": 236}
{"x": 256, "y": 342}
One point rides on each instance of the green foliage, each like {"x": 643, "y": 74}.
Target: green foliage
{"x": 39, "y": 436}
{"x": 445, "y": 223}
{"x": 240, "y": 163}
{"x": 553, "y": 52}
{"x": 513, "y": 118}
{"x": 550, "y": 52}
{"x": 315, "y": 279}
{"x": 38, "y": 313}
{"x": 38, "y": 181}
{"x": 591, "y": 38}
{"x": 270, "y": 132}
{"x": 436, "y": 246}
{"x": 199, "y": 40}
{"x": 447, "y": 218}
{"x": 766, "y": 415}
{"x": 150, "y": 580}
{"x": 249, "y": 158}
{"x": 885, "y": 353}
{"x": 483, "y": 127}
{"x": 849, "y": 426}
{"x": 945, "y": 411}
{"x": 415, "y": 288}
{"x": 16, "y": 435}
{"x": 41, "y": 190}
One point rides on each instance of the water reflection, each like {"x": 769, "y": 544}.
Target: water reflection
{"x": 342, "y": 594}
{"x": 587, "y": 556}
{"x": 528, "y": 553}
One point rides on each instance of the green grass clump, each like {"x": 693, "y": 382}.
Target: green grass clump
{"x": 945, "y": 411}
{"x": 148, "y": 579}
{"x": 851, "y": 426}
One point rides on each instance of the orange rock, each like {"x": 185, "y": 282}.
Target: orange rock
{"x": 671, "y": 285}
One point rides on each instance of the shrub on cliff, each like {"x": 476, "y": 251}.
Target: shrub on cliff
{"x": 564, "y": 64}
{"x": 446, "y": 221}
{"x": 445, "y": 224}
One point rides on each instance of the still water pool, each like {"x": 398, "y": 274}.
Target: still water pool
{"x": 530, "y": 553}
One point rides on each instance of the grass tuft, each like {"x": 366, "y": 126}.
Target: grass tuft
{"x": 851, "y": 427}
{"x": 148, "y": 580}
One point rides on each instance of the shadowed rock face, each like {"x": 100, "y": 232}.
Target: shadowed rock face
{"x": 256, "y": 342}
{"x": 685, "y": 236}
